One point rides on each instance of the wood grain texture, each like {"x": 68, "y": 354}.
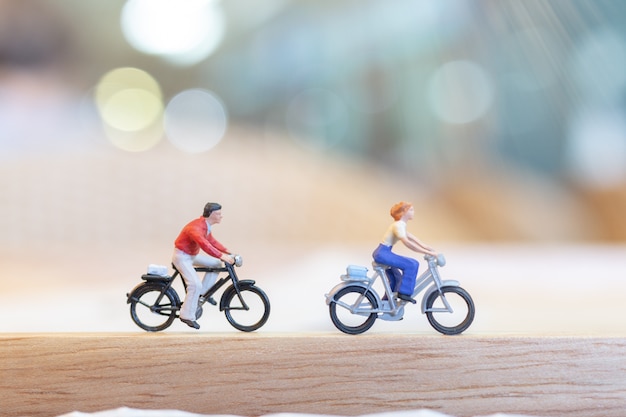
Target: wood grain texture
{"x": 254, "y": 374}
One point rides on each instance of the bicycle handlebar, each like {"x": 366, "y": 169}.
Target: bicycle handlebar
{"x": 441, "y": 260}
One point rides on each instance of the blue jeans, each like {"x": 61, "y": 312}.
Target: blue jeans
{"x": 408, "y": 266}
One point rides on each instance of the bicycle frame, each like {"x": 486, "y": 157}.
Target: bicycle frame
{"x": 232, "y": 277}
{"x": 236, "y": 285}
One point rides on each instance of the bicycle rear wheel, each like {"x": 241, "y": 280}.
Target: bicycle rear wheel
{"x": 247, "y": 310}
{"x": 446, "y": 322}
{"x": 151, "y": 309}
{"x": 345, "y": 300}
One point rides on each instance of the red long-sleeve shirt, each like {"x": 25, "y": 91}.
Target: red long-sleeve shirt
{"x": 195, "y": 236}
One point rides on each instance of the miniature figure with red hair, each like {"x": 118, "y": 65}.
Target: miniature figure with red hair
{"x": 403, "y": 271}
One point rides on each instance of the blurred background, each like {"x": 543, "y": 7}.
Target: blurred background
{"x": 503, "y": 121}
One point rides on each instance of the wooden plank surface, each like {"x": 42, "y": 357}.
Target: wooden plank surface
{"x": 253, "y": 374}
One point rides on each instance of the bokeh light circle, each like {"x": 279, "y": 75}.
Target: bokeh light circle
{"x": 131, "y": 109}
{"x": 195, "y": 120}
{"x": 317, "y": 118}
{"x": 596, "y": 148}
{"x": 122, "y": 78}
{"x": 185, "y": 32}
{"x": 460, "y": 92}
{"x": 130, "y": 105}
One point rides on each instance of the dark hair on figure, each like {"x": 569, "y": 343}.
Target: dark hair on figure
{"x": 210, "y": 208}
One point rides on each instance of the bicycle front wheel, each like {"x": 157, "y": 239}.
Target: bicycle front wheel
{"x": 444, "y": 321}
{"x": 343, "y": 309}
{"x": 152, "y": 309}
{"x": 247, "y": 310}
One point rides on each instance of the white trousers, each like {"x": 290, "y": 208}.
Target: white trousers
{"x": 195, "y": 287}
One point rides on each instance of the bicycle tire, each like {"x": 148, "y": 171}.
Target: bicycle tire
{"x": 353, "y": 323}
{"x": 153, "y": 310}
{"x": 461, "y": 319}
{"x": 257, "y": 312}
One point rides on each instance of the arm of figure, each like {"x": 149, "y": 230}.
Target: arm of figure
{"x": 420, "y": 243}
{"x": 211, "y": 246}
{"x": 225, "y": 253}
{"x": 217, "y": 245}
{"x": 417, "y": 245}
{"x": 228, "y": 258}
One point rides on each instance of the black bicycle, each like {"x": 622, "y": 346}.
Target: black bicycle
{"x": 155, "y": 304}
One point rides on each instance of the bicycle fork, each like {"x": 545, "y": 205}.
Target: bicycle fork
{"x": 446, "y": 309}
{"x": 432, "y": 275}
{"x": 244, "y": 306}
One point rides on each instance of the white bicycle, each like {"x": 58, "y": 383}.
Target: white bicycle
{"x": 355, "y": 304}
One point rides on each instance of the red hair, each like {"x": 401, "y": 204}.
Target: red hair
{"x": 398, "y": 209}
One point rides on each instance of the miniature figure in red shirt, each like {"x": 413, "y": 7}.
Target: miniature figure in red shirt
{"x": 197, "y": 235}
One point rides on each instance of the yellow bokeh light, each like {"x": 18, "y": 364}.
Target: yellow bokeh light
{"x": 130, "y": 105}
{"x": 124, "y": 78}
{"x": 131, "y": 110}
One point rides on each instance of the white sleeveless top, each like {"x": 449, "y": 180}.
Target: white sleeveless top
{"x": 395, "y": 232}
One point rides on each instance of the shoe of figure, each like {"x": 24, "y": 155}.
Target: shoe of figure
{"x": 191, "y": 323}
{"x": 406, "y": 297}
{"x": 211, "y": 301}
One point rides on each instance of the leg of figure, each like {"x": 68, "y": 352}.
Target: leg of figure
{"x": 391, "y": 278}
{"x": 209, "y": 277}
{"x": 184, "y": 264}
{"x": 396, "y": 275}
{"x": 408, "y": 266}
{"x": 409, "y": 275}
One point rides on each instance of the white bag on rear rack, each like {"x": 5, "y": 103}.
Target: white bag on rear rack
{"x": 160, "y": 270}
{"x": 355, "y": 273}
